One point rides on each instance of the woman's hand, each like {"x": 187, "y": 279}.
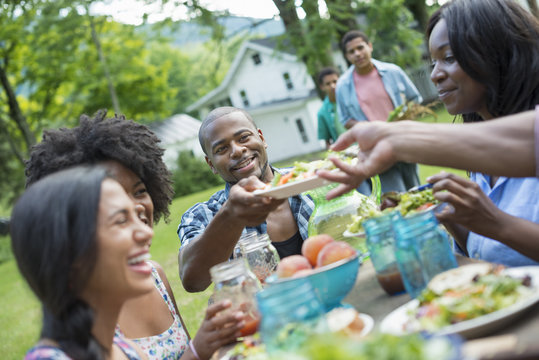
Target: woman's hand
{"x": 218, "y": 328}
{"x": 470, "y": 206}
{"x": 374, "y": 157}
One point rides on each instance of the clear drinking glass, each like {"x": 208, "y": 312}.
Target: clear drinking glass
{"x": 245, "y": 238}
{"x": 234, "y": 281}
{"x": 261, "y": 256}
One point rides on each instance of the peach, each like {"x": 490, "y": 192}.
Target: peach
{"x": 312, "y": 246}
{"x": 334, "y": 251}
{"x": 292, "y": 264}
{"x": 302, "y": 273}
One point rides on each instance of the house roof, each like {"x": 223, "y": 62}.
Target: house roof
{"x": 267, "y": 46}
{"x": 177, "y": 128}
{"x": 276, "y": 43}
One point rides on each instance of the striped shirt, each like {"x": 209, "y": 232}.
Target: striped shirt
{"x": 195, "y": 220}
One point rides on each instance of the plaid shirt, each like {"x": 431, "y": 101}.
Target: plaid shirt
{"x": 195, "y": 220}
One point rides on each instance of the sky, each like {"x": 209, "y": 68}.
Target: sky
{"x": 131, "y": 11}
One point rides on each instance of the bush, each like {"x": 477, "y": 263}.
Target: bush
{"x": 192, "y": 174}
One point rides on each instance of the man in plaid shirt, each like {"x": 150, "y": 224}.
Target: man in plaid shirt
{"x": 236, "y": 150}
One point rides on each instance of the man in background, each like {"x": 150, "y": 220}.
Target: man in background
{"x": 329, "y": 126}
{"x": 368, "y": 91}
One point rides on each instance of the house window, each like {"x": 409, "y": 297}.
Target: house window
{"x": 225, "y": 102}
{"x": 243, "y": 95}
{"x": 301, "y": 130}
{"x": 256, "y": 59}
{"x": 288, "y": 81}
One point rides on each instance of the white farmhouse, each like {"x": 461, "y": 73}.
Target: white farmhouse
{"x": 276, "y": 89}
{"x": 178, "y": 133}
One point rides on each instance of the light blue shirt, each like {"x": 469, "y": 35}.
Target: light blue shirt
{"x": 398, "y": 86}
{"x": 516, "y": 196}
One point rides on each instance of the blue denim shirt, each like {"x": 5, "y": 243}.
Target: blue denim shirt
{"x": 516, "y": 196}
{"x": 397, "y": 84}
{"x": 195, "y": 220}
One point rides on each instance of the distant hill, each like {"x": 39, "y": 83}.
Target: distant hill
{"x": 189, "y": 32}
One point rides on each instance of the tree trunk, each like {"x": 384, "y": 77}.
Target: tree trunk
{"x": 298, "y": 39}
{"x": 534, "y": 8}
{"x": 15, "y": 112}
{"x": 95, "y": 38}
{"x": 418, "y": 8}
{"x": 20, "y": 156}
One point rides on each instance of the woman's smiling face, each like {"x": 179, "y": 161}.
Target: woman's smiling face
{"x": 123, "y": 241}
{"x": 456, "y": 89}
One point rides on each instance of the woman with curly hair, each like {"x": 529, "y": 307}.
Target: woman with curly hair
{"x": 131, "y": 154}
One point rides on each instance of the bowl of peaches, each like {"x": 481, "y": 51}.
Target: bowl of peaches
{"x": 330, "y": 266}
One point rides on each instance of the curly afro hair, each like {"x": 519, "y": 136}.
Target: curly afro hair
{"x": 99, "y": 139}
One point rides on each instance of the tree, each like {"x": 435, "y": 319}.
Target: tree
{"x": 391, "y": 33}
{"x": 50, "y": 74}
{"x": 418, "y": 8}
{"x": 193, "y": 174}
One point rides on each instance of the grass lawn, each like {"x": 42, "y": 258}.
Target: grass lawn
{"x": 20, "y": 316}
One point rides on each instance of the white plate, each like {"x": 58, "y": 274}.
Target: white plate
{"x": 293, "y": 188}
{"x": 394, "y": 322}
{"x": 368, "y": 321}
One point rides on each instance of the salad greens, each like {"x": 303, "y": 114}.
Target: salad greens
{"x": 304, "y": 170}
{"x": 483, "y": 295}
{"x": 331, "y": 346}
{"x": 416, "y": 201}
{"x": 408, "y": 203}
{"x": 367, "y": 209}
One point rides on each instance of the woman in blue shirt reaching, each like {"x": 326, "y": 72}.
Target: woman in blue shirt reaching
{"x": 485, "y": 64}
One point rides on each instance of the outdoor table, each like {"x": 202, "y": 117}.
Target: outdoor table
{"x": 520, "y": 340}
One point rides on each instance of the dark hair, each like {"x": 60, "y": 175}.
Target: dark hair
{"x": 325, "y": 72}
{"x": 98, "y": 139}
{"x": 216, "y": 114}
{"x": 496, "y": 42}
{"x": 53, "y": 235}
{"x": 351, "y": 35}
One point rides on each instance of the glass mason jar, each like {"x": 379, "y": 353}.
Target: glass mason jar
{"x": 333, "y": 216}
{"x": 421, "y": 235}
{"x": 291, "y": 312}
{"x": 246, "y": 237}
{"x": 261, "y": 256}
{"x": 381, "y": 245}
{"x": 234, "y": 281}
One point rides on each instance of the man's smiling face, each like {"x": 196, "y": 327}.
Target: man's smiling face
{"x": 236, "y": 149}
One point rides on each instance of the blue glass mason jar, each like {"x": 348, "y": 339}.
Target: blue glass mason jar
{"x": 291, "y": 313}
{"x": 381, "y": 246}
{"x": 422, "y": 247}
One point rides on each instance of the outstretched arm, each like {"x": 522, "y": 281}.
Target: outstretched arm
{"x": 502, "y": 147}
{"x": 217, "y": 242}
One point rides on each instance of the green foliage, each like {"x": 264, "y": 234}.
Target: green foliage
{"x": 391, "y": 32}
{"x": 192, "y": 175}
{"x": 51, "y": 65}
